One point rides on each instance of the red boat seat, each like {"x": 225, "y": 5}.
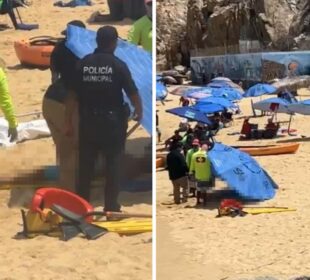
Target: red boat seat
{"x": 46, "y": 197}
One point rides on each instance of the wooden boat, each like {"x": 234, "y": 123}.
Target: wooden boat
{"x": 35, "y": 51}
{"x": 287, "y": 148}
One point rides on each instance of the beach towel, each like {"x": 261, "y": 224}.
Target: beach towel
{"x": 83, "y": 42}
{"x": 26, "y": 131}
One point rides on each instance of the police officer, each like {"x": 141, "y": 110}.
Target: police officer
{"x": 103, "y": 115}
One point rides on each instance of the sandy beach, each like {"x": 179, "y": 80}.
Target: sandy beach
{"x": 204, "y": 247}
{"x": 110, "y": 257}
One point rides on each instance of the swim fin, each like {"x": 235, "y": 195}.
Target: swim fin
{"x": 90, "y": 231}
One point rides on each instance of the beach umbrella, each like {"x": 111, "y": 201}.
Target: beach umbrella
{"x": 181, "y": 90}
{"x": 203, "y": 92}
{"x": 302, "y": 107}
{"x": 208, "y": 108}
{"x": 190, "y": 113}
{"x": 293, "y": 83}
{"x": 228, "y": 84}
{"x": 241, "y": 172}
{"x": 228, "y": 93}
{"x": 217, "y": 100}
{"x": 275, "y": 104}
{"x": 225, "y": 79}
{"x": 260, "y": 89}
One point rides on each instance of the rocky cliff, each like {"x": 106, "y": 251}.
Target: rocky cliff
{"x": 214, "y": 27}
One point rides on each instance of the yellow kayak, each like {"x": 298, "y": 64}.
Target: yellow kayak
{"x": 127, "y": 226}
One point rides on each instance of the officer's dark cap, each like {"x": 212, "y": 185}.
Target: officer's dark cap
{"x": 106, "y": 35}
{"x": 77, "y": 23}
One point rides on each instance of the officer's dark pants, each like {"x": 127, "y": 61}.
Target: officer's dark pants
{"x": 116, "y": 9}
{"x": 106, "y": 135}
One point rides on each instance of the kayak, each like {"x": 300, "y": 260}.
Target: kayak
{"x": 288, "y": 148}
{"x": 160, "y": 162}
{"x": 35, "y": 51}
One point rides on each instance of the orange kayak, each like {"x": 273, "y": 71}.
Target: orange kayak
{"x": 288, "y": 148}
{"x": 35, "y": 51}
{"x": 160, "y": 162}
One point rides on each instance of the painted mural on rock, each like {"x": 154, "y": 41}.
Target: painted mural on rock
{"x": 251, "y": 67}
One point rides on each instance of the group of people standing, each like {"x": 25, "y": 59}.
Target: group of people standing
{"x": 86, "y": 114}
{"x": 189, "y": 170}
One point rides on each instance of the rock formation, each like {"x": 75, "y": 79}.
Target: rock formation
{"x": 214, "y": 27}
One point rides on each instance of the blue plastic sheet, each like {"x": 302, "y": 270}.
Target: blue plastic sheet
{"x": 242, "y": 173}
{"x": 83, "y": 42}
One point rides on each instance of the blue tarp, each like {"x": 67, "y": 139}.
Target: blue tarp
{"x": 83, "y": 42}
{"x": 242, "y": 173}
{"x": 190, "y": 113}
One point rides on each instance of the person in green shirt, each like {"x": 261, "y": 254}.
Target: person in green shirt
{"x": 141, "y": 31}
{"x": 201, "y": 169}
{"x": 6, "y": 104}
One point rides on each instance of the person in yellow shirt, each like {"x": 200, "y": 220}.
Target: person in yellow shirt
{"x": 6, "y": 104}
{"x": 141, "y": 31}
{"x": 201, "y": 169}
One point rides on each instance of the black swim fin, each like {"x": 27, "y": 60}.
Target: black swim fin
{"x": 77, "y": 224}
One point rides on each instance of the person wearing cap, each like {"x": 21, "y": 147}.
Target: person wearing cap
{"x": 200, "y": 168}
{"x": 6, "y": 104}
{"x": 177, "y": 169}
{"x": 101, "y": 78}
{"x": 62, "y": 67}
{"x": 141, "y": 31}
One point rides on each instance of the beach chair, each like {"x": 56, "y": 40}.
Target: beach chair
{"x": 8, "y": 7}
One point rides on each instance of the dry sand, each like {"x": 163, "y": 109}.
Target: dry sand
{"x": 204, "y": 247}
{"x": 110, "y": 257}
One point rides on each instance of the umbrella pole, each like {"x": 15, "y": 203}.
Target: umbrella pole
{"x": 289, "y": 125}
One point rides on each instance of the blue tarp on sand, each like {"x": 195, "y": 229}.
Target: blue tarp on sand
{"x": 242, "y": 173}
{"x": 83, "y": 42}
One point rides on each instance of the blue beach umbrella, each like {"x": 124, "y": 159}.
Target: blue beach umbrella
{"x": 208, "y": 108}
{"x": 302, "y": 107}
{"x": 242, "y": 173}
{"x": 260, "y": 89}
{"x": 190, "y": 113}
{"x": 203, "y": 92}
{"x": 217, "y": 100}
